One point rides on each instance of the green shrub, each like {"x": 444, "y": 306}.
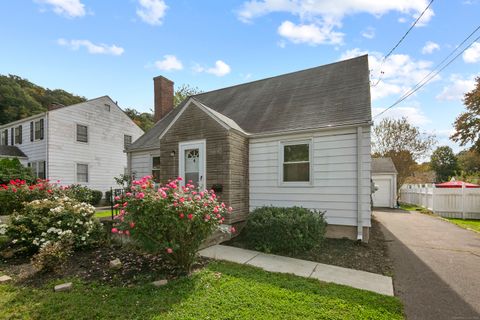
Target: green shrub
{"x": 170, "y": 220}
{"x": 284, "y": 230}
{"x": 41, "y": 222}
{"x": 53, "y": 255}
{"x": 12, "y": 169}
{"x": 83, "y": 194}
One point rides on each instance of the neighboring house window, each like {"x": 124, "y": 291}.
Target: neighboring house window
{"x": 38, "y": 169}
{"x": 107, "y": 107}
{"x": 18, "y": 135}
{"x": 296, "y": 161}
{"x": 156, "y": 169}
{"x": 82, "y": 133}
{"x": 39, "y": 129}
{"x": 127, "y": 141}
{"x": 5, "y": 137}
{"x": 82, "y": 172}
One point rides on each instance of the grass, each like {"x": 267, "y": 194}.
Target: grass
{"x": 102, "y": 214}
{"x": 220, "y": 291}
{"x": 410, "y": 207}
{"x": 466, "y": 224}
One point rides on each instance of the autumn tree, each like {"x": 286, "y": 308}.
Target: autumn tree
{"x": 444, "y": 163}
{"x": 467, "y": 124}
{"x": 144, "y": 120}
{"x": 403, "y": 142}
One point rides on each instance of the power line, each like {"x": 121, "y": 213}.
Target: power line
{"x": 400, "y": 41}
{"x": 419, "y": 85}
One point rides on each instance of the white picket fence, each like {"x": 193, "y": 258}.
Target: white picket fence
{"x": 461, "y": 203}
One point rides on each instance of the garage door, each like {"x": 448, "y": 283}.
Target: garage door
{"x": 383, "y": 196}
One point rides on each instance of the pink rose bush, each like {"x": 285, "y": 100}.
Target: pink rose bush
{"x": 170, "y": 219}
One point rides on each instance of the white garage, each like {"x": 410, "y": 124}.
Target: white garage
{"x": 384, "y": 177}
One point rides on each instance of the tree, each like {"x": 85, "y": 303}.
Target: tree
{"x": 183, "y": 92}
{"x": 143, "y": 120}
{"x": 469, "y": 161}
{"x": 12, "y": 169}
{"x": 444, "y": 163}
{"x": 402, "y": 142}
{"x": 467, "y": 124}
{"x": 392, "y": 135}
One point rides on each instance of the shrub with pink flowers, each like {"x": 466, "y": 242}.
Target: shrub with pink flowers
{"x": 170, "y": 219}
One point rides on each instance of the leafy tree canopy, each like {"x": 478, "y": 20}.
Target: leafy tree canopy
{"x": 20, "y": 98}
{"x": 444, "y": 163}
{"x": 183, "y": 92}
{"x": 467, "y": 124}
{"x": 469, "y": 161}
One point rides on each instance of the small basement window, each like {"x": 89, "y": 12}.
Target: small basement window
{"x": 295, "y": 165}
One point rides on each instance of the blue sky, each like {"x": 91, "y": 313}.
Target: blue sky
{"x": 94, "y": 48}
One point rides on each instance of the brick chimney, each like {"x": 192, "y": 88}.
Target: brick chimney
{"x": 163, "y": 97}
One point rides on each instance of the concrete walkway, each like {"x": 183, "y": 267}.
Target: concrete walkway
{"x": 308, "y": 269}
{"x": 436, "y": 265}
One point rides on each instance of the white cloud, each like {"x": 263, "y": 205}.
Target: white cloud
{"x": 413, "y": 113}
{"x": 220, "y": 69}
{"x": 309, "y": 33}
{"x": 368, "y": 33}
{"x": 457, "y": 87}
{"x": 321, "y": 19}
{"x": 472, "y": 54}
{"x": 169, "y": 63}
{"x": 68, "y": 8}
{"x": 401, "y": 72}
{"x": 152, "y": 11}
{"x": 430, "y": 47}
{"x": 91, "y": 47}
{"x": 402, "y": 20}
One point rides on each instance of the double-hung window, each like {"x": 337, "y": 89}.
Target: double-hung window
{"x": 18, "y": 135}
{"x": 82, "y": 133}
{"x": 127, "y": 141}
{"x": 295, "y": 162}
{"x": 82, "y": 172}
{"x": 156, "y": 168}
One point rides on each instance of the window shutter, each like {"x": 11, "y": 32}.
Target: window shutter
{"x": 20, "y": 134}
{"x": 41, "y": 129}
{"x": 12, "y": 137}
{"x": 31, "y": 130}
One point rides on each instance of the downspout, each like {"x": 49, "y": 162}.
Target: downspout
{"x": 359, "y": 184}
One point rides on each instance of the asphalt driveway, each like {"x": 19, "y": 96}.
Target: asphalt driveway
{"x": 436, "y": 265}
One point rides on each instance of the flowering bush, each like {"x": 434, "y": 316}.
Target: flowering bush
{"x": 14, "y": 194}
{"x": 83, "y": 194}
{"x": 53, "y": 255}
{"x": 45, "y": 221}
{"x": 170, "y": 219}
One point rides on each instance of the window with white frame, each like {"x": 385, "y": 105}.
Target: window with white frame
{"x": 156, "y": 168}
{"x": 18, "y": 135}
{"x": 38, "y": 169}
{"x": 39, "y": 127}
{"x": 82, "y": 133}
{"x": 295, "y": 161}
{"x": 82, "y": 172}
{"x": 4, "y": 138}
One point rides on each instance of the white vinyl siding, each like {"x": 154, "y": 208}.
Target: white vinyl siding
{"x": 334, "y": 175}
{"x": 142, "y": 163}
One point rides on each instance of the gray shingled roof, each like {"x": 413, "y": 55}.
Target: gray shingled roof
{"x": 383, "y": 165}
{"x": 11, "y": 151}
{"x": 329, "y": 95}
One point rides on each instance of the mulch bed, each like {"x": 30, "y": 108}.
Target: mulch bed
{"x": 372, "y": 256}
{"x": 93, "y": 265}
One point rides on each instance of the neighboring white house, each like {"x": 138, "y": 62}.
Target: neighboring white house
{"x": 384, "y": 176}
{"x": 82, "y": 143}
{"x": 299, "y": 139}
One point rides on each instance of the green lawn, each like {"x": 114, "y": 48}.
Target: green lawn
{"x": 102, "y": 214}
{"x": 410, "y": 207}
{"x": 220, "y": 291}
{"x": 467, "y": 224}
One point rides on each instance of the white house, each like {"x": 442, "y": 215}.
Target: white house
{"x": 82, "y": 143}
{"x": 299, "y": 139}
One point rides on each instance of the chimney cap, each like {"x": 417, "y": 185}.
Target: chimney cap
{"x": 162, "y": 77}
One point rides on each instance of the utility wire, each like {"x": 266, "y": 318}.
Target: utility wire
{"x": 400, "y": 41}
{"x": 420, "y": 84}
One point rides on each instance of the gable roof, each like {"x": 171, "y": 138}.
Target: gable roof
{"x": 11, "y": 151}
{"x": 383, "y": 165}
{"x": 330, "y": 95}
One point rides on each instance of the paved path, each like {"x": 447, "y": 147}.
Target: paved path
{"x": 436, "y": 265}
{"x": 308, "y": 269}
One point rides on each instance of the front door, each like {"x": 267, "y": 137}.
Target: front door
{"x": 192, "y": 162}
